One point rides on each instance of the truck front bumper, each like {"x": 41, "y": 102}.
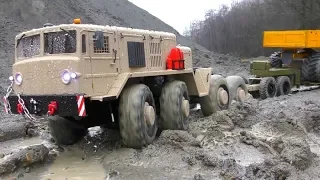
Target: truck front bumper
{"x": 62, "y": 105}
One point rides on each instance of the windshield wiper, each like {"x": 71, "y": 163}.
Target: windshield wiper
{"x": 18, "y": 42}
{"x": 65, "y": 31}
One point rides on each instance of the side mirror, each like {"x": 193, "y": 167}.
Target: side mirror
{"x": 99, "y": 39}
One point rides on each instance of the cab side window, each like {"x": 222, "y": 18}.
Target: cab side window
{"x": 84, "y": 45}
{"x": 106, "y": 48}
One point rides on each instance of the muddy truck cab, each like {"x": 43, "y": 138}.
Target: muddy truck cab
{"x": 137, "y": 81}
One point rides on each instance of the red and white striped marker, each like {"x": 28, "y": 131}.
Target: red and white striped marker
{"x": 81, "y": 106}
{"x": 5, "y": 105}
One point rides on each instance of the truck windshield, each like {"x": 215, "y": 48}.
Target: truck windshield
{"x": 60, "y": 42}
{"x": 28, "y": 46}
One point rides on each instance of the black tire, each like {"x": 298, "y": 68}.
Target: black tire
{"x": 309, "y": 68}
{"x": 283, "y": 85}
{"x": 66, "y": 130}
{"x": 234, "y": 83}
{"x": 275, "y": 60}
{"x": 267, "y": 88}
{"x": 210, "y": 104}
{"x": 172, "y": 113}
{"x": 134, "y": 130}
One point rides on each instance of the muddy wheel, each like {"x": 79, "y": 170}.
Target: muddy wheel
{"x": 174, "y": 106}
{"x": 283, "y": 85}
{"x": 237, "y": 87}
{"x": 66, "y": 130}
{"x": 267, "y": 87}
{"x": 218, "y": 98}
{"x": 309, "y": 67}
{"x": 137, "y": 116}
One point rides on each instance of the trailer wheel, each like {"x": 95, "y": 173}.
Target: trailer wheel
{"x": 174, "y": 106}
{"x": 137, "y": 116}
{"x": 283, "y": 85}
{"x": 237, "y": 87}
{"x": 218, "y": 98}
{"x": 315, "y": 66}
{"x": 275, "y": 60}
{"x": 66, "y": 130}
{"x": 267, "y": 88}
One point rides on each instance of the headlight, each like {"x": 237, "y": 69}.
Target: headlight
{"x": 66, "y": 77}
{"x": 73, "y": 75}
{"x": 18, "y": 79}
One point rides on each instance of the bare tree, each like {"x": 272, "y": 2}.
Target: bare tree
{"x": 239, "y": 29}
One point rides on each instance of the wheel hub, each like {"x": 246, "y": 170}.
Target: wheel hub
{"x": 241, "y": 94}
{"x": 185, "y": 107}
{"x": 223, "y": 96}
{"x": 149, "y": 114}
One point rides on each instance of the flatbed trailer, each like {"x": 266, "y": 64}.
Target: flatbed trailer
{"x": 269, "y": 82}
{"x": 296, "y": 64}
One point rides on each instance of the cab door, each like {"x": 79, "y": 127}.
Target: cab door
{"x": 104, "y": 61}
{"x": 86, "y": 64}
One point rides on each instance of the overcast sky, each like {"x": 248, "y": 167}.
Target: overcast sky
{"x": 179, "y": 13}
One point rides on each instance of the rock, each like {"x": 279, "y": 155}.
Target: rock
{"x": 1, "y": 155}
{"x": 297, "y": 152}
{"x": 27, "y": 170}
{"x": 12, "y": 130}
{"x": 23, "y": 158}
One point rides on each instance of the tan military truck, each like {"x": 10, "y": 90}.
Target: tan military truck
{"x": 138, "y": 81}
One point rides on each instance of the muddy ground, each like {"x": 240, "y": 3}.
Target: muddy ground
{"x": 271, "y": 139}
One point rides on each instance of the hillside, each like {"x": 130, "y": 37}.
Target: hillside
{"x": 20, "y": 15}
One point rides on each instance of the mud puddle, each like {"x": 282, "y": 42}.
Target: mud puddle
{"x": 73, "y": 164}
